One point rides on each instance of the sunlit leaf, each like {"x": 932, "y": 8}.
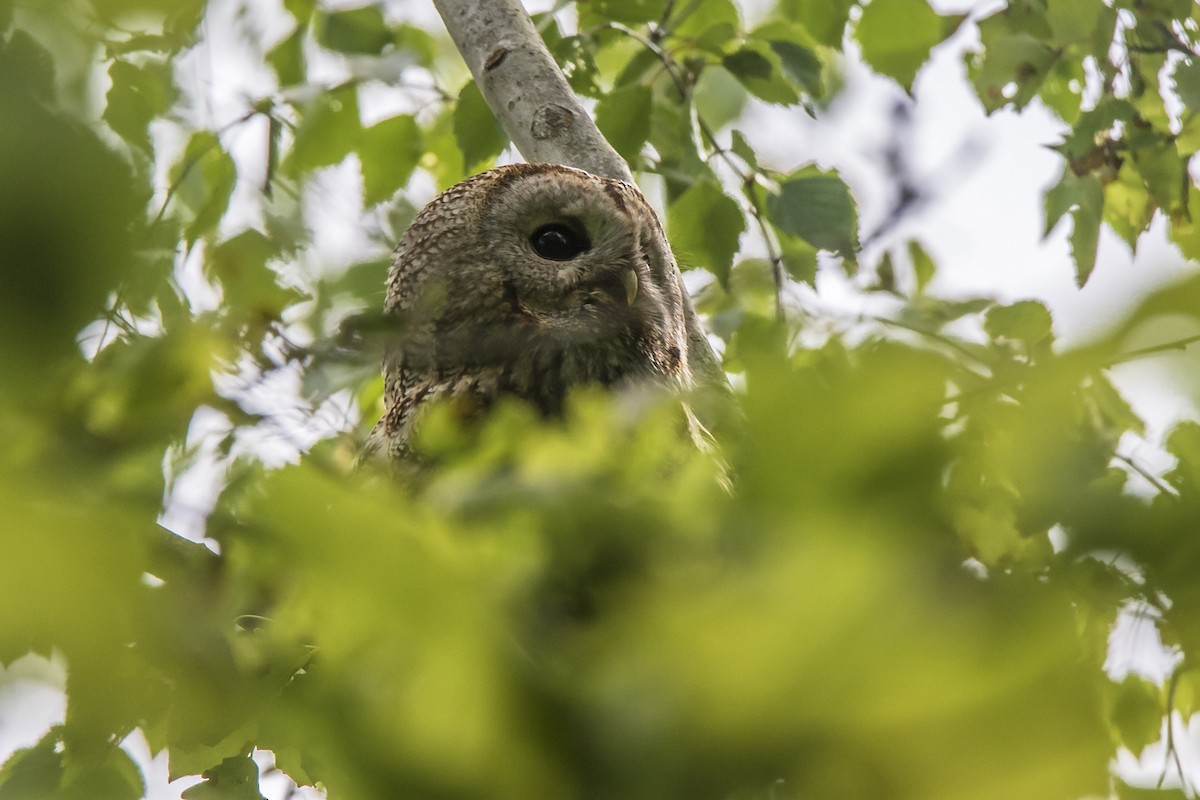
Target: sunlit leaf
{"x": 897, "y": 35}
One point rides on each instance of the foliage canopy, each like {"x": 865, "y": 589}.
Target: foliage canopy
{"x": 932, "y": 528}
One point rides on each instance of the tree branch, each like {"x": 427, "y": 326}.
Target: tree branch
{"x": 533, "y": 102}
{"x": 525, "y": 88}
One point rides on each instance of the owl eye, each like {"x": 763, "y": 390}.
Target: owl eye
{"x": 558, "y": 242}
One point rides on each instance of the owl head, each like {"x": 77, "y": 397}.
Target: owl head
{"x": 549, "y": 275}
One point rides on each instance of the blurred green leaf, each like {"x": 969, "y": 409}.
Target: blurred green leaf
{"x": 1026, "y": 321}
{"x": 288, "y": 60}
{"x": 710, "y": 24}
{"x": 204, "y": 179}
{"x": 302, "y": 10}
{"x": 1136, "y": 714}
{"x": 923, "y": 265}
{"x": 234, "y": 779}
{"x": 356, "y": 31}
{"x": 329, "y": 130}
{"x": 137, "y": 96}
{"x": 37, "y": 65}
{"x": 47, "y": 770}
{"x": 250, "y": 287}
{"x": 629, "y": 12}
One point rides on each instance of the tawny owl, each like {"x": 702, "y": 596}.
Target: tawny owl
{"x": 527, "y": 280}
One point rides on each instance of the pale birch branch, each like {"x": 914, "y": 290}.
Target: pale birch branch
{"x": 533, "y": 102}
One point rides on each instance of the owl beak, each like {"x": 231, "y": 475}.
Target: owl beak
{"x": 629, "y": 280}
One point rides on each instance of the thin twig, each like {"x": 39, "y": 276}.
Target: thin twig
{"x": 935, "y": 336}
{"x": 1132, "y": 355}
{"x": 1172, "y": 753}
{"x": 1150, "y": 477}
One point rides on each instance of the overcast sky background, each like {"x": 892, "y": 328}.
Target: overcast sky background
{"x": 983, "y": 227}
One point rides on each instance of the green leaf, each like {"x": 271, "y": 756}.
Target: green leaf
{"x": 923, "y": 265}
{"x": 801, "y": 64}
{"x": 742, "y": 149}
{"x": 757, "y": 67}
{"x": 709, "y": 25}
{"x": 302, "y": 10}
{"x": 623, "y": 116}
{"x": 205, "y": 177}
{"x": 705, "y": 225}
{"x": 752, "y": 284}
{"x": 50, "y": 770}
{"x": 825, "y": 20}
{"x": 1113, "y": 409}
{"x": 388, "y": 153}
{"x": 1186, "y": 79}
{"x": 1128, "y": 208}
{"x": 1163, "y": 170}
{"x": 629, "y": 12}
{"x": 36, "y": 65}
{"x": 1186, "y": 233}
{"x": 1012, "y": 65}
{"x": 138, "y": 96}
{"x": 1073, "y": 22}
{"x": 1183, "y": 442}
{"x": 799, "y": 258}
{"x": 816, "y": 205}
{"x": 673, "y": 135}
{"x": 1136, "y": 713}
{"x": 33, "y": 772}
{"x": 235, "y": 778}
{"x": 1084, "y": 199}
{"x": 328, "y": 131}
{"x": 719, "y": 98}
{"x": 1025, "y": 321}
{"x": 250, "y": 286}
{"x": 357, "y": 31}
{"x": 896, "y": 37}
{"x": 479, "y": 135}
{"x": 287, "y": 58}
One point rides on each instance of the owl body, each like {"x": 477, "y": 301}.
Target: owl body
{"x": 528, "y": 280}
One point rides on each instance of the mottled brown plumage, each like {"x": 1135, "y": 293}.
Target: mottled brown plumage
{"x": 490, "y": 296}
